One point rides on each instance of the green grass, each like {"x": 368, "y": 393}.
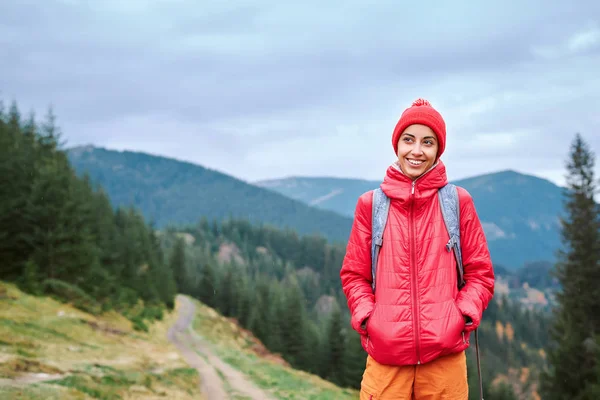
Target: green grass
{"x": 34, "y": 330}
{"x": 40, "y": 392}
{"x": 107, "y": 383}
{"x": 234, "y": 346}
{"x": 90, "y": 361}
{"x": 233, "y": 395}
{"x": 112, "y": 383}
{"x": 283, "y": 382}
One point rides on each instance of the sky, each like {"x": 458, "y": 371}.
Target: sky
{"x": 265, "y": 89}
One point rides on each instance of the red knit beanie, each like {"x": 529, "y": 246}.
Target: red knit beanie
{"x": 421, "y": 112}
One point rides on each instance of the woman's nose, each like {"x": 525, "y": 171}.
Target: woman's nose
{"x": 417, "y": 150}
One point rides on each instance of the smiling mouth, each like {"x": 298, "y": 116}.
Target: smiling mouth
{"x": 415, "y": 163}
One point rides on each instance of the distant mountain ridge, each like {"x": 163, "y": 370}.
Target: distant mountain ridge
{"x": 335, "y": 194}
{"x": 172, "y": 192}
{"x": 519, "y": 212}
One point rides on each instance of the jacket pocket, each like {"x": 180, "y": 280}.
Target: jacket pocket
{"x": 458, "y": 326}
{"x": 460, "y": 315}
{"x": 370, "y": 320}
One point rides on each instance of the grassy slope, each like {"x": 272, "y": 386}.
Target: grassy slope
{"x": 40, "y": 335}
{"x": 241, "y": 350}
{"x": 43, "y": 338}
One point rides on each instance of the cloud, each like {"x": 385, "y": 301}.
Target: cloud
{"x": 585, "y": 40}
{"x": 266, "y": 89}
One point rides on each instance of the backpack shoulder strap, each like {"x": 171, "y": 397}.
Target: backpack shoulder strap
{"x": 381, "y": 206}
{"x": 450, "y": 204}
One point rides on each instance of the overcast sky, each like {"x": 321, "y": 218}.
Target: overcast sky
{"x": 265, "y": 89}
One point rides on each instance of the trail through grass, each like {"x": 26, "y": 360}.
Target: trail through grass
{"x": 240, "y": 349}
{"x": 50, "y": 350}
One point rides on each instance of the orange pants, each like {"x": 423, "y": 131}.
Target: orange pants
{"x": 443, "y": 378}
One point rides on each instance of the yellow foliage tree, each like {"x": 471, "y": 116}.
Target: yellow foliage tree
{"x": 510, "y": 333}
{"x": 499, "y": 330}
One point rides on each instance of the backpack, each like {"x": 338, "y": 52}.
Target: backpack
{"x": 450, "y": 205}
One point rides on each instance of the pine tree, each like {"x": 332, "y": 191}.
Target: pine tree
{"x": 259, "y": 320}
{"x": 244, "y": 298}
{"x": 355, "y": 359}
{"x": 63, "y": 244}
{"x": 276, "y": 318}
{"x": 336, "y": 339}
{"x": 17, "y": 171}
{"x": 573, "y": 359}
{"x": 178, "y": 265}
{"x": 207, "y": 286}
{"x": 30, "y": 280}
{"x": 226, "y": 296}
{"x": 293, "y": 324}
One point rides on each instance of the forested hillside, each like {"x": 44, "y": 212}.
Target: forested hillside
{"x": 60, "y": 236}
{"x": 172, "y": 192}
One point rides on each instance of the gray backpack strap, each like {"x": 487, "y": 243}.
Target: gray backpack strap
{"x": 450, "y": 205}
{"x": 381, "y": 206}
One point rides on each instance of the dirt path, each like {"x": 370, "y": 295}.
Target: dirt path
{"x": 30, "y": 378}
{"x": 209, "y": 366}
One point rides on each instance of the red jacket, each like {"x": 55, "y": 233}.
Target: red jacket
{"x": 416, "y": 313}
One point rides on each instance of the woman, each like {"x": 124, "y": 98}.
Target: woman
{"x": 416, "y": 326}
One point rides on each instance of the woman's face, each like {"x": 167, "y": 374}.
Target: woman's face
{"x": 417, "y": 150}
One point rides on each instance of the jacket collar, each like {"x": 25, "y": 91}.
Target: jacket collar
{"x": 396, "y": 185}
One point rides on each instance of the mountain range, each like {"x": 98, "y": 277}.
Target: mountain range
{"x": 520, "y": 213}
{"x": 172, "y": 192}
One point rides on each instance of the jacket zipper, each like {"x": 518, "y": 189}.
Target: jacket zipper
{"x": 416, "y": 314}
{"x": 417, "y": 306}
{"x": 412, "y": 190}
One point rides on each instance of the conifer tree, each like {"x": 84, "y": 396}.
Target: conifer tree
{"x": 573, "y": 358}
{"x": 276, "y": 318}
{"x": 336, "y": 340}
{"x": 259, "y": 320}
{"x": 226, "y": 295}
{"x": 293, "y": 323}
{"x": 355, "y": 359}
{"x": 244, "y": 298}
{"x": 207, "y": 286}
{"x": 178, "y": 265}
{"x": 15, "y": 214}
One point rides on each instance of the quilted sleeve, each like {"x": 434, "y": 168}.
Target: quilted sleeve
{"x": 356, "y": 268}
{"x": 475, "y": 296}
